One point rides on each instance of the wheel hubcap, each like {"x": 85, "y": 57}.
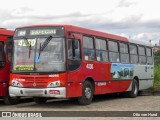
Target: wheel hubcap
{"x": 88, "y": 93}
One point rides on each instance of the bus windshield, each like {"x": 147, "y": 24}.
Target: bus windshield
{"x": 51, "y": 59}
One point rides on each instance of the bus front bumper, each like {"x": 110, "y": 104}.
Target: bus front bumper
{"x": 59, "y": 92}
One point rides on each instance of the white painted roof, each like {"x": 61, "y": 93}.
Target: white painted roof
{"x": 147, "y": 43}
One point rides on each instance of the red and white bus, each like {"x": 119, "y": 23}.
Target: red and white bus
{"x": 65, "y": 61}
{"x": 6, "y": 37}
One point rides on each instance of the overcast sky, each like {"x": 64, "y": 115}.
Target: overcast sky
{"x": 136, "y": 19}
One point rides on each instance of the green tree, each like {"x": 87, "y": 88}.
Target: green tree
{"x": 157, "y": 53}
{"x": 157, "y": 70}
{"x": 157, "y": 58}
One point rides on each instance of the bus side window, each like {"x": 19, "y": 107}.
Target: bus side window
{"x": 2, "y": 55}
{"x": 124, "y": 52}
{"x": 74, "y": 58}
{"x": 88, "y": 46}
{"x": 142, "y": 55}
{"x": 9, "y": 48}
{"x": 101, "y": 50}
{"x": 133, "y": 54}
{"x": 73, "y": 50}
{"x": 113, "y": 51}
{"x": 149, "y": 56}
{"x": 70, "y": 50}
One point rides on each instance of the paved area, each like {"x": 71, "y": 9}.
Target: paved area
{"x": 100, "y": 103}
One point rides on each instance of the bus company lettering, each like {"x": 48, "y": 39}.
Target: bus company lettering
{"x": 89, "y": 66}
{"x": 101, "y": 83}
{"x": 19, "y": 79}
{"x": 54, "y": 75}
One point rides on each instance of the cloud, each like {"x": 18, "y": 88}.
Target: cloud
{"x": 22, "y": 12}
{"x": 5, "y": 15}
{"x": 134, "y": 18}
{"x": 126, "y": 3}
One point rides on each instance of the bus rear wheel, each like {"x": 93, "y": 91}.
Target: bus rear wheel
{"x": 87, "y": 94}
{"x": 134, "y": 92}
{"x": 40, "y": 100}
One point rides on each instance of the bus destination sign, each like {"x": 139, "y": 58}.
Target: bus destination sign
{"x": 43, "y": 32}
{"x": 40, "y": 31}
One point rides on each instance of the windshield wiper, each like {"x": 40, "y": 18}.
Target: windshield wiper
{"x": 30, "y": 49}
{"x": 43, "y": 46}
{"x": 28, "y": 44}
{"x": 26, "y": 41}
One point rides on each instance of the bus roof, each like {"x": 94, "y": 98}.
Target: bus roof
{"x": 86, "y": 31}
{"x": 72, "y": 28}
{"x": 5, "y": 32}
{"x": 147, "y": 43}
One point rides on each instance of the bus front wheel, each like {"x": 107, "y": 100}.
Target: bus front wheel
{"x": 87, "y": 94}
{"x": 40, "y": 100}
{"x": 11, "y": 100}
{"x": 134, "y": 92}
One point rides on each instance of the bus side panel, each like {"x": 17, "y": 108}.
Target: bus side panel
{"x": 145, "y": 73}
{"x": 123, "y": 73}
{"x": 110, "y": 87}
{"x": 74, "y": 86}
{"x": 113, "y": 86}
{"x": 4, "y": 73}
{"x": 124, "y": 85}
{"x": 98, "y": 72}
{"x": 3, "y": 89}
{"x": 101, "y": 74}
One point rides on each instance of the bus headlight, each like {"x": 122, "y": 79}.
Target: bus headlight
{"x": 54, "y": 84}
{"x": 16, "y": 83}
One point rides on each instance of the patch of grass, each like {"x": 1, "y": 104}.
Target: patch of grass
{"x": 156, "y": 77}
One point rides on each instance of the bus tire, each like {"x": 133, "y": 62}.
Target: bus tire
{"x": 87, "y": 94}
{"x": 11, "y": 100}
{"x": 40, "y": 100}
{"x": 134, "y": 92}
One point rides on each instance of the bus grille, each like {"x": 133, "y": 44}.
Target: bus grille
{"x": 35, "y": 82}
